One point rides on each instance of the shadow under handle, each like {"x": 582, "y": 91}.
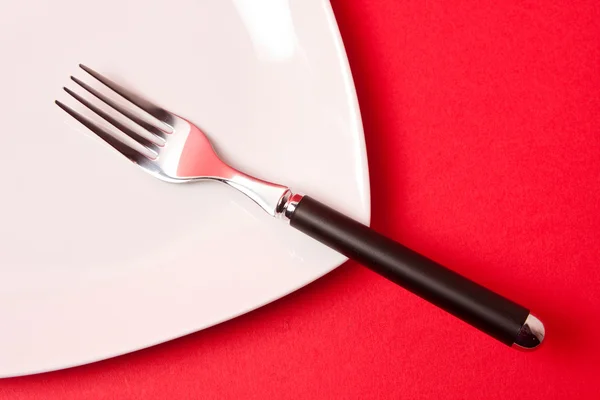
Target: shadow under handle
{"x": 499, "y": 317}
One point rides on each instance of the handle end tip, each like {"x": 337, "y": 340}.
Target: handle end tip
{"x": 531, "y": 334}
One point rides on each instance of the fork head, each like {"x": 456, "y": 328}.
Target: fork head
{"x": 164, "y": 144}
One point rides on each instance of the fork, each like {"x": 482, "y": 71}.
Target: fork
{"x": 174, "y": 150}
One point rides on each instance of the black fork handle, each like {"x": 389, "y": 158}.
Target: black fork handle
{"x": 499, "y": 317}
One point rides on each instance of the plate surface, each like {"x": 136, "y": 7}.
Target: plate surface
{"x": 98, "y": 258}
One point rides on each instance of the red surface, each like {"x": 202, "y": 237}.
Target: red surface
{"x": 483, "y": 131}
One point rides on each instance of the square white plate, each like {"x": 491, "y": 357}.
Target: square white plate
{"x": 92, "y": 261}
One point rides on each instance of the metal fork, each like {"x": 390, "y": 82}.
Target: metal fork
{"x": 175, "y": 150}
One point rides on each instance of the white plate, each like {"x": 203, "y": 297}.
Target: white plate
{"x": 97, "y": 258}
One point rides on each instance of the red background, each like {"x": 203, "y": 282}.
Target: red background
{"x": 482, "y": 125}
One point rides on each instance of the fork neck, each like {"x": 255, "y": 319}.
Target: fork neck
{"x": 271, "y": 197}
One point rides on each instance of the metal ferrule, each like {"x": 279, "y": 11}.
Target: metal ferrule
{"x": 291, "y": 202}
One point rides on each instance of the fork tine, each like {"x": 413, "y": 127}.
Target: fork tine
{"x": 129, "y": 132}
{"x": 121, "y": 147}
{"x": 149, "y": 127}
{"x": 145, "y": 105}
